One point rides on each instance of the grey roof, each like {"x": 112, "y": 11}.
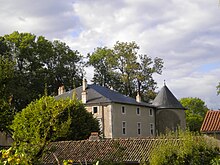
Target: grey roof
{"x": 98, "y": 94}
{"x": 166, "y": 100}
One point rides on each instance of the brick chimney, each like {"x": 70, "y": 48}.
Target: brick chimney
{"x": 61, "y": 90}
{"x": 94, "y": 136}
{"x": 84, "y": 93}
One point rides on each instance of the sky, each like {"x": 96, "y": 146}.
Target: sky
{"x": 184, "y": 33}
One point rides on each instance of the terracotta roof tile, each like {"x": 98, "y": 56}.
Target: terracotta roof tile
{"x": 211, "y": 123}
{"x": 125, "y": 150}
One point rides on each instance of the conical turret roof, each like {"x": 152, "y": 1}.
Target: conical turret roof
{"x": 166, "y": 100}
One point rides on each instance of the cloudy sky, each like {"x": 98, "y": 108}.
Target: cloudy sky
{"x": 184, "y": 33}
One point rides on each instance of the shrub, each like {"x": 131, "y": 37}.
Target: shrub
{"x": 191, "y": 150}
{"x": 46, "y": 120}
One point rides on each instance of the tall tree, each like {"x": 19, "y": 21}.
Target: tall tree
{"x": 6, "y": 75}
{"x": 39, "y": 61}
{"x": 6, "y": 109}
{"x": 195, "y": 113}
{"x": 126, "y": 65}
{"x": 102, "y": 60}
{"x": 146, "y": 83}
{"x": 122, "y": 69}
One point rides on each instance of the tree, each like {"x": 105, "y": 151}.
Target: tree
{"x": 195, "y": 113}
{"x": 126, "y": 65}
{"x": 6, "y": 75}
{"x": 38, "y": 61}
{"x": 218, "y": 88}
{"x": 148, "y": 67}
{"x": 122, "y": 69}
{"x": 183, "y": 149}
{"x": 102, "y": 60}
{"x": 46, "y": 120}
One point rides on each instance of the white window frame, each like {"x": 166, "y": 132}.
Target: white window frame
{"x": 138, "y": 109}
{"x": 139, "y": 128}
{"x": 152, "y": 129}
{"x": 151, "y": 112}
{"x": 93, "y": 110}
{"x": 122, "y": 110}
{"x": 124, "y": 130}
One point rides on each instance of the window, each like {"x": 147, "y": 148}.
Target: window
{"x": 94, "y": 110}
{"x": 138, "y": 128}
{"x": 151, "y": 112}
{"x": 138, "y": 111}
{"x": 123, "y": 110}
{"x": 151, "y": 129}
{"x": 123, "y": 128}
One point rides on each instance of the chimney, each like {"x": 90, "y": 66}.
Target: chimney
{"x": 84, "y": 84}
{"x": 138, "y": 97}
{"x": 84, "y": 93}
{"x": 61, "y": 90}
{"x": 94, "y": 136}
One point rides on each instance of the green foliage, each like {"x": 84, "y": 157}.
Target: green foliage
{"x": 37, "y": 62}
{"x": 46, "y": 120}
{"x": 6, "y": 75}
{"x": 82, "y": 122}
{"x": 121, "y": 69}
{"x": 6, "y": 116}
{"x": 66, "y": 162}
{"x": 195, "y": 113}
{"x": 216, "y": 161}
{"x": 12, "y": 157}
{"x": 218, "y": 88}
{"x": 102, "y": 60}
{"x": 191, "y": 149}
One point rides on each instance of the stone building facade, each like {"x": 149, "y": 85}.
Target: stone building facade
{"x": 121, "y": 116}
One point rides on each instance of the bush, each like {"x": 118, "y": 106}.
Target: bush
{"x": 191, "y": 150}
{"x": 46, "y": 120}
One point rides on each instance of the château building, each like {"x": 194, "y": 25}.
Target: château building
{"x": 121, "y": 116}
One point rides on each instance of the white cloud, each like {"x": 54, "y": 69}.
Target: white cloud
{"x": 51, "y": 18}
{"x": 196, "y": 84}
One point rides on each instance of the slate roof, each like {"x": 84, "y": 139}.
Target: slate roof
{"x": 99, "y": 94}
{"x": 116, "y": 150}
{"x": 211, "y": 123}
{"x": 166, "y": 100}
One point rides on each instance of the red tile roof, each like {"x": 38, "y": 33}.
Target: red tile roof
{"x": 211, "y": 123}
{"x": 124, "y": 150}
